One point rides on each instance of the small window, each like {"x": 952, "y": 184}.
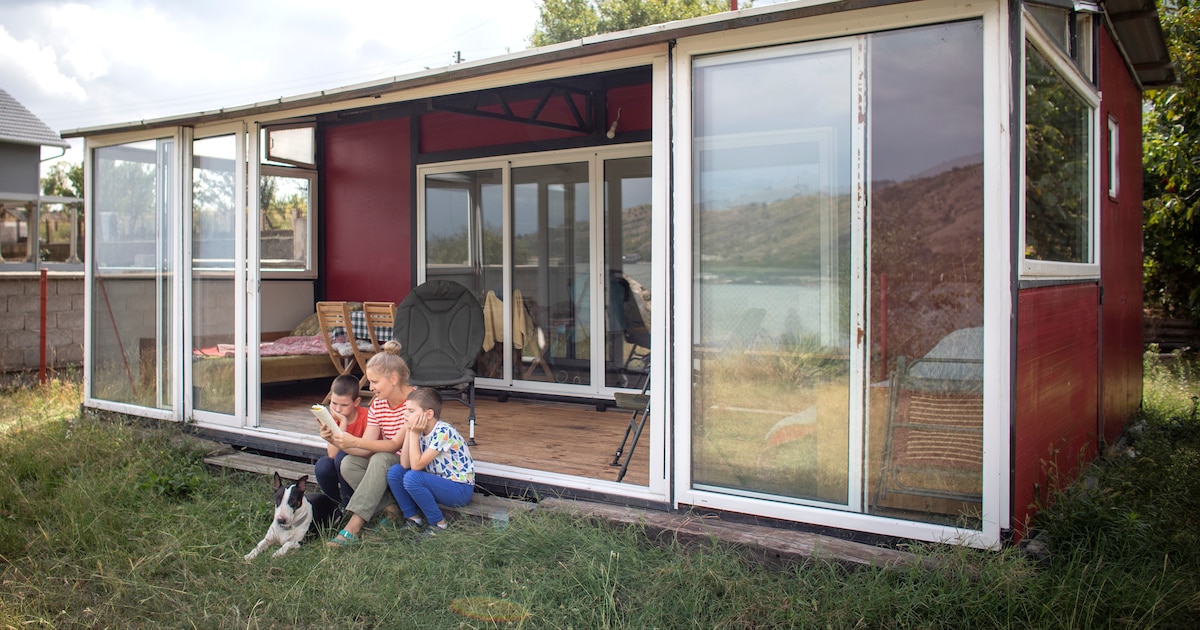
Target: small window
{"x": 1114, "y": 165}
{"x": 287, "y": 221}
{"x": 294, "y": 145}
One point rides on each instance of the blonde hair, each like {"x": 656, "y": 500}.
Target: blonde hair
{"x": 389, "y": 361}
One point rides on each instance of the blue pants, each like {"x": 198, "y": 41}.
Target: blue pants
{"x": 329, "y": 478}
{"x": 417, "y": 489}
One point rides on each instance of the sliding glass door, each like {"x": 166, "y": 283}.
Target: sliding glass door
{"x": 542, "y": 240}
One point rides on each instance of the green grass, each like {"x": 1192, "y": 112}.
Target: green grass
{"x": 106, "y": 523}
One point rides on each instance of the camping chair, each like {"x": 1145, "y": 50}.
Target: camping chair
{"x": 335, "y": 321}
{"x": 640, "y": 406}
{"x": 440, "y": 328}
{"x": 934, "y": 443}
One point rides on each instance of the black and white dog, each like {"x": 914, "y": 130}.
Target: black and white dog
{"x": 297, "y": 516}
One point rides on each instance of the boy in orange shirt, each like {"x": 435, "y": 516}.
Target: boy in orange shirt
{"x": 344, "y": 407}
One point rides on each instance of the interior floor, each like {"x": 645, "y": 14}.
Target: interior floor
{"x": 551, "y": 436}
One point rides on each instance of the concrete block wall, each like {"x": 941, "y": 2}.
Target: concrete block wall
{"x": 20, "y": 320}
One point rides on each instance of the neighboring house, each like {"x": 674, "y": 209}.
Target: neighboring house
{"x": 36, "y": 232}
{"x": 871, "y": 239}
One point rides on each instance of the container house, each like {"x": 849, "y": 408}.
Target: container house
{"x": 876, "y": 264}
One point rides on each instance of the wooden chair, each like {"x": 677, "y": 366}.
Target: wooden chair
{"x": 379, "y": 315}
{"x": 334, "y": 318}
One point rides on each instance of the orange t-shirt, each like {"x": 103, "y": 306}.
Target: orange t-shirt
{"x": 358, "y": 424}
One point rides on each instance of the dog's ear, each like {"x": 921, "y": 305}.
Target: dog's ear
{"x": 277, "y": 482}
{"x": 301, "y": 482}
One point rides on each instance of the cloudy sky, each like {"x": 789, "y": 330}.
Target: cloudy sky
{"x": 97, "y": 62}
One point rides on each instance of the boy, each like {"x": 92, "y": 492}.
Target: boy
{"x": 344, "y": 407}
{"x": 435, "y": 465}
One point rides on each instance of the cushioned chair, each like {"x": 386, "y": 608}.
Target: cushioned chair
{"x": 440, "y": 328}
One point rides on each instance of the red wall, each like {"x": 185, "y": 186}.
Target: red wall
{"x": 1057, "y": 387}
{"x": 366, "y": 196}
{"x": 1120, "y": 245}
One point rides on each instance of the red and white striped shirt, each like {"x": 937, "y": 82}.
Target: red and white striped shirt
{"x": 389, "y": 420}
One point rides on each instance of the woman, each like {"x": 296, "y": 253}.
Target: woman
{"x": 369, "y": 457}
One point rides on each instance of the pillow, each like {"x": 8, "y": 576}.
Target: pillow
{"x": 308, "y": 327}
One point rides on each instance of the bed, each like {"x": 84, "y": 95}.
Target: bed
{"x": 295, "y": 355}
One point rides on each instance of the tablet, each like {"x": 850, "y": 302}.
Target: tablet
{"x": 326, "y": 418}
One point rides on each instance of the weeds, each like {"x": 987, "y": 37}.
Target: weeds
{"x": 111, "y": 524}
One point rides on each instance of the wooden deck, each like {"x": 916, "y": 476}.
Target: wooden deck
{"x": 557, "y": 437}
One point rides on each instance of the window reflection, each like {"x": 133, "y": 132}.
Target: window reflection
{"x": 1057, "y": 167}
{"x": 926, "y": 256}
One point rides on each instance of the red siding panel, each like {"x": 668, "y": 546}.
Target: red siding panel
{"x": 1057, "y": 387}
{"x": 366, "y": 204}
{"x": 1120, "y": 245}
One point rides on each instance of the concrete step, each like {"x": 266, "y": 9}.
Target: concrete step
{"x": 483, "y": 507}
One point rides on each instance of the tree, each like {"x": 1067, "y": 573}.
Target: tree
{"x": 1171, "y": 162}
{"x": 565, "y": 20}
{"x": 63, "y": 180}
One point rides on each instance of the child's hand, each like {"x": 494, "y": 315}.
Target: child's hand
{"x": 418, "y": 424}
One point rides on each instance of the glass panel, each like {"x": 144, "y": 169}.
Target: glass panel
{"x": 132, "y": 314}
{"x": 1057, "y": 139}
{"x": 627, "y": 197}
{"x": 14, "y": 231}
{"x": 926, "y": 251}
{"x": 294, "y": 145}
{"x": 286, "y": 219}
{"x": 464, "y": 242}
{"x": 61, "y": 232}
{"x": 770, "y": 330}
{"x": 552, "y": 266}
{"x": 214, "y": 222}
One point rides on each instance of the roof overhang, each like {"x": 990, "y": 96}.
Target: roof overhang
{"x": 1138, "y": 31}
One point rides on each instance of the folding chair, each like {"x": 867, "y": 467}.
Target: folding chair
{"x": 380, "y": 318}
{"x": 334, "y": 318}
{"x": 640, "y": 405}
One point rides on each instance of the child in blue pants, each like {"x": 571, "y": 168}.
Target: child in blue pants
{"x": 435, "y": 464}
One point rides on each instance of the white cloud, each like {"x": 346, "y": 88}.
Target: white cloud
{"x": 83, "y": 63}
{"x": 37, "y": 64}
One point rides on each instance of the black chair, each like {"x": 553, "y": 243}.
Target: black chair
{"x": 440, "y": 328}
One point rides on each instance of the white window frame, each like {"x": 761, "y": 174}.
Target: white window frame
{"x": 997, "y": 248}
{"x": 310, "y": 267}
{"x": 1114, "y": 154}
{"x": 1045, "y": 269}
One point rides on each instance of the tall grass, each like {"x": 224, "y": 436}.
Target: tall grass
{"x": 112, "y": 524}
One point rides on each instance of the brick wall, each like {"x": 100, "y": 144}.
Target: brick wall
{"x": 20, "y": 320}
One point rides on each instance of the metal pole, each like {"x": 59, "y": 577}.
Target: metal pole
{"x": 42, "y": 333}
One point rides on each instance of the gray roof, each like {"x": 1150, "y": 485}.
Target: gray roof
{"x": 18, "y": 125}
